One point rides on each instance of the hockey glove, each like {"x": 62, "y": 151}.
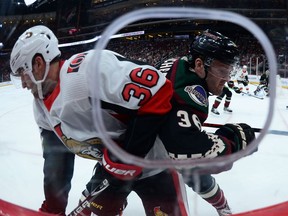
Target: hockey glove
{"x": 241, "y": 134}
{"x": 245, "y": 82}
{"x": 111, "y": 198}
{"x": 237, "y": 90}
{"x": 120, "y": 170}
{"x": 105, "y": 197}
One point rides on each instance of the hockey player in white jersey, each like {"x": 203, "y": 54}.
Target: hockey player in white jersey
{"x": 134, "y": 99}
{"x": 242, "y": 79}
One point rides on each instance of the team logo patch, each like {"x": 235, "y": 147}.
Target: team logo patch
{"x": 28, "y": 35}
{"x": 198, "y": 94}
{"x": 158, "y": 212}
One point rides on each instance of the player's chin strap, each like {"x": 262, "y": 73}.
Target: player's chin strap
{"x": 40, "y": 91}
{"x": 39, "y": 82}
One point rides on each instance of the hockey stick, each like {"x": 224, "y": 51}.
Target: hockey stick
{"x": 251, "y": 95}
{"x": 78, "y": 211}
{"x": 257, "y": 130}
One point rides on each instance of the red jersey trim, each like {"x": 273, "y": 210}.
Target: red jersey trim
{"x": 48, "y": 101}
{"x": 160, "y": 103}
{"x": 52, "y": 97}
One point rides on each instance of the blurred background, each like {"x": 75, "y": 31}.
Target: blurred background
{"x": 78, "y": 20}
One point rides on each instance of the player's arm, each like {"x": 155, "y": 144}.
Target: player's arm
{"x": 145, "y": 95}
{"x": 139, "y": 138}
{"x": 233, "y": 87}
{"x": 144, "y": 126}
{"x": 184, "y": 138}
{"x": 142, "y": 130}
{"x": 246, "y": 79}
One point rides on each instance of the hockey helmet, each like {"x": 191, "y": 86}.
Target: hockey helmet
{"x": 213, "y": 45}
{"x": 36, "y": 40}
{"x": 244, "y": 67}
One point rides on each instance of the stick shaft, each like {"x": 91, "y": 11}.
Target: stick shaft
{"x": 86, "y": 203}
{"x": 257, "y": 130}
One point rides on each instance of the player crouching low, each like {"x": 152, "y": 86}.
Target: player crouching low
{"x": 263, "y": 87}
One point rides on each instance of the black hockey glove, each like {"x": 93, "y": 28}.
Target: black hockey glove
{"x": 241, "y": 134}
{"x": 237, "y": 90}
{"x": 245, "y": 82}
{"x": 106, "y": 196}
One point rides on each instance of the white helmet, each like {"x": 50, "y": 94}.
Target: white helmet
{"x": 245, "y": 67}
{"x": 36, "y": 40}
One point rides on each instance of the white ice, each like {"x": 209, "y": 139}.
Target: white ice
{"x": 255, "y": 181}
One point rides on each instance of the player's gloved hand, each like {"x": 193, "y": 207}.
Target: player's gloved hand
{"x": 52, "y": 209}
{"x": 237, "y": 90}
{"x": 109, "y": 196}
{"x": 241, "y": 134}
{"x": 120, "y": 177}
{"x": 245, "y": 82}
{"x": 118, "y": 169}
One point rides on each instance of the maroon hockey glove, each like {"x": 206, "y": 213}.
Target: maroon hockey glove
{"x": 241, "y": 134}
{"x": 52, "y": 209}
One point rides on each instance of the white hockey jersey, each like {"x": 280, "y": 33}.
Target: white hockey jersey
{"x": 127, "y": 89}
{"x": 242, "y": 75}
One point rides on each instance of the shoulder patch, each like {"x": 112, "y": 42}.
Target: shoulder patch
{"x": 198, "y": 94}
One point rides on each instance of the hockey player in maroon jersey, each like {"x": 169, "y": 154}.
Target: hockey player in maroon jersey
{"x": 226, "y": 92}
{"x": 228, "y": 96}
{"x": 194, "y": 77}
{"x": 135, "y": 100}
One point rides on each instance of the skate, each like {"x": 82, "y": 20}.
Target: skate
{"x": 224, "y": 211}
{"x": 215, "y": 111}
{"x": 227, "y": 109}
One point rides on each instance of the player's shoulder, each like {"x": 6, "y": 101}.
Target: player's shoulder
{"x": 166, "y": 66}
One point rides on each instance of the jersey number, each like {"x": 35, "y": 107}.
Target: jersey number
{"x": 184, "y": 120}
{"x": 143, "y": 80}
